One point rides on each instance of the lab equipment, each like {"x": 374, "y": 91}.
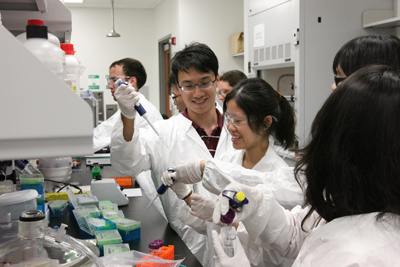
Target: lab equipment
{"x": 55, "y": 171}
{"x": 155, "y": 245}
{"x": 72, "y": 67}
{"x": 127, "y": 228}
{"x": 108, "y": 189}
{"x": 58, "y": 208}
{"x": 142, "y": 112}
{"x": 115, "y": 249}
{"x": 51, "y": 37}
{"x": 161, "y": 190}
{"x": 49, "y": 54}
{"x": 107, "y": 237}
{"x": 228, "y": 234}
{"x": 36, "y": 241}
{"x": 236, "y": 201}
{"x": 17, "y": 202}
{"x": 96, "y": 171}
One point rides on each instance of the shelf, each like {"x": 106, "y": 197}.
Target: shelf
{"x": 380, "y": 19}
{"x": 238, "y": 55}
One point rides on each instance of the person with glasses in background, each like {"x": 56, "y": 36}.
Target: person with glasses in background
{"x": 197, "y": 132}
{"x": 132, "y": 71}
{"x": 227, "y": 81}
{"x": 253, "y": 111}
{"x": 365, "y": 51}
{"x": 176, "y": 96}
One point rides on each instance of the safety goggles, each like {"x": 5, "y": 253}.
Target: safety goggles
{"x": 113, "y": 79}
{"x": 236, "y": 120}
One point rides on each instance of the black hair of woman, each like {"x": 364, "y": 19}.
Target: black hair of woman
{"x": 365, "y": 51}
{"x": 258, "y": 100}
{"x": 352, "y": 163}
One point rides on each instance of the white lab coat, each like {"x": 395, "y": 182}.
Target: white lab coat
{"x": 270, "y": 163}
{"x": 102, "y": 138}
{"x": 358, "y": 240}
{"x": 147, "y": 152}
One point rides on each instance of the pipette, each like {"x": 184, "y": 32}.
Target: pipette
{"x": 161, "y": 190}
{"x": 142, "y": 112}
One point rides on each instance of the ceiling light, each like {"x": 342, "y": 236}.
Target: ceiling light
{"x": 113, "y": 33}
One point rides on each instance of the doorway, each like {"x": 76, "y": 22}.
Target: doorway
{"x": 164, "y": 55}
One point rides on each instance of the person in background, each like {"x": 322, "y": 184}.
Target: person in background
{"x": 176, "y": 96}
{"x": 198, "y": 132}
{"x": 354, "y": 188}
{"x": 227, "y": 81}
{"x": 364, "y": 51}
{"x": 132, "y": 71}
{"x": 253, "y": 111}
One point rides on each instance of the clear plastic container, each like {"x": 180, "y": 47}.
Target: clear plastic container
{"x": 107, "y": 237}
{"x": 49, "y": 54}
{"x": 228, "y": 234}
{"x": 128, "y": 229}
{"x": 112, "y": 214}
{"x": 115, "y": 249}
{"x": 51, "y": 37}
{"x": 59, "y": 208}
{"x": 72, "y": 67}
{"x": 35, "y": 241}
{"x": 17, "y": 202}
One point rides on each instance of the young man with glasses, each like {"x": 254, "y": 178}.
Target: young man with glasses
{"x": 176, "y": 96}
{"x": 198, "y": 132}
{"x": 132, "y": 71}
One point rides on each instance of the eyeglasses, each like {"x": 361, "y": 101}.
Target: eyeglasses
{"x": 113, "y": 79}
{"x": 202, "y": 86}
{"x": 236, "y": 120}
{"x": 339, "y": 79}
{"x": 222, "y": 92}
{"x": 175, "y": 97}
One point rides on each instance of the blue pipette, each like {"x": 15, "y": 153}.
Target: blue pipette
{"x": 161, "y": 190}
{"x": 142, "y": 112}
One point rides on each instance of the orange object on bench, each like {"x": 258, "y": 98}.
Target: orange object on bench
{"x": 125, "y": 182}
{"x": 166, "y": 253}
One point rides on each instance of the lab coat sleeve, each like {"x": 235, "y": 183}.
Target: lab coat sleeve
{"x": 218, "y": 174}
{"x": 102, "y": 133}
{"x": 272, "y": 226}
{"x": 188, "y": 219}
{"x": 129, "y": 158}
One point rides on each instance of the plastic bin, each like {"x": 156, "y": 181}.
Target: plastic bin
{"x": 17, "y": 202}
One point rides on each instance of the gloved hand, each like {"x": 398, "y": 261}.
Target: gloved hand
{"x": 253, "y": 195}
{"x": 188, "y": 172}
{"x": 181, "y": 190}
{"x": 201, "y": 207}
{"x": 126, "y": 97}
{"x": 223, "y": 260}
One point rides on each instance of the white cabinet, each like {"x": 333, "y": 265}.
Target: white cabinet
{"x": 40, "y": 115}
{"x": 323, "y": 27}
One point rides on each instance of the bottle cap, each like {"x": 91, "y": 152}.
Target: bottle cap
{"x": 156, "y": 244}
{"x": 36, "y": 31}
{"x": 68, "y": 49}
{"x": 35, "y": 22}
{"x": 240, "y": 196}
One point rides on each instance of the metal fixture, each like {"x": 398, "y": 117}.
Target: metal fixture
{"x": 113, "y": 33}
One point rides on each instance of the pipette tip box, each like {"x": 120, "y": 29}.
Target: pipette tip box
{"x": 128, "y": 229}
{"x": 58, "y": 207}
{"x": 115, "y": 248}
{"x": 107, "y": 237}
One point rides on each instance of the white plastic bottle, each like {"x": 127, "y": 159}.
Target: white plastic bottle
{"x": 49, "y": 54}
{"x": 72, "y": 67}
{"x": 51, "y": 37}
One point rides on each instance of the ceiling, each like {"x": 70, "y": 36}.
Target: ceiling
{"x": 136, "y": 4}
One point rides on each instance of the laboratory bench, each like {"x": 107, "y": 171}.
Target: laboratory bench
{"x": 153, "y": 226}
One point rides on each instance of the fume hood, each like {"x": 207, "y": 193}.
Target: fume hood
{"x": 41, "y": 115}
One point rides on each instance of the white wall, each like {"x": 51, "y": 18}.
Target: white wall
{"x": 97, "y": 52}
{"x": 207, "y": 21}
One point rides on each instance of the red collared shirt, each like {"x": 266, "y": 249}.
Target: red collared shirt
{"x": 211, "y": 141}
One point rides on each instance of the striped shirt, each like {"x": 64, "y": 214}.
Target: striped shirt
{"x": 211, "y": 141}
